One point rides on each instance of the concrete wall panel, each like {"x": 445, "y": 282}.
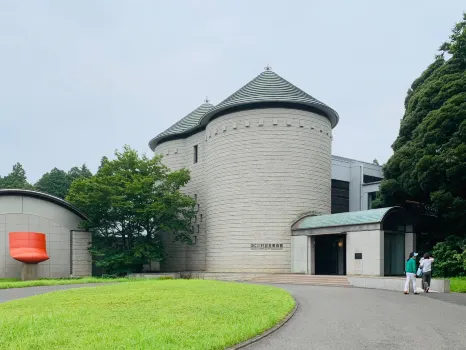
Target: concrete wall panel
{"x": 81, "y": 259}
{"x": 299, "y": 254}
{"x": 371, "y": 245}
{"x": 37, "y": 215}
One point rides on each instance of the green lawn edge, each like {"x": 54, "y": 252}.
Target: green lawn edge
{"x": 188, "y": 314}
{"x": 458, "y": 284}
{"x": 8, "y": 283}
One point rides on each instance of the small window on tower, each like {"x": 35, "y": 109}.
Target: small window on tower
{"x": 195, "y": 154}
{"x": 200, "y": 218}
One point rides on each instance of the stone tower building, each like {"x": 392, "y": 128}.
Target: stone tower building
{"x": 259, "y": 161}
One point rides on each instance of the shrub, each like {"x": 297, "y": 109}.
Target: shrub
{"x": 450, "y": 257}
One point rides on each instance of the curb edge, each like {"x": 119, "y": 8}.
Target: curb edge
{"x": 267, "y": 332}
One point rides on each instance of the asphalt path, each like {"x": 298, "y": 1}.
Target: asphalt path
{"x": 351, "y": 318}
{"x": 18, "y": 293}
{"x": 355, "y": 318}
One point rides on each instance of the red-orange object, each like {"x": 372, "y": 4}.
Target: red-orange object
{"x": 28, "y": 247}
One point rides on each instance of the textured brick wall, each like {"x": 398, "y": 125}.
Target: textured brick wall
{"x": 174, "y": 157}
{"x": 263, "y": 169}
{"x": 180, "y": 154}
{"x": 81, "y": 259}
{"x": 258, "y": 170}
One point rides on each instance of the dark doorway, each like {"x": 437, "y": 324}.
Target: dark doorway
{"x": 394, "y": 253}
{"x": 330, "y": 254}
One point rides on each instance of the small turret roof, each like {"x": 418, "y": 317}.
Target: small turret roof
{"x": 269, "y": 87}
{"x": 188, "y": 123}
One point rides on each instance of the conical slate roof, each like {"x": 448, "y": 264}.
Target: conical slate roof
{"x": 269, "y": 87}
{"x": 188, "y": 123}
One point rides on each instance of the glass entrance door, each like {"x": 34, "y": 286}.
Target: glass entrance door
{"x": 394, "y": 253}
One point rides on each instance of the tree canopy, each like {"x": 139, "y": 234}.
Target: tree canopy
{"x": 131, "y": 202}
{"x": 57, "y": 182}
{"x": 16, "y": 179}
{"x": 429, "y": 160}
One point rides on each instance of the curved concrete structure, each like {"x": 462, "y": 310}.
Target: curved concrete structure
{"x": 263, "y": 167}
{"x": 259, "y": 160}
{"x": 31, "y": 211}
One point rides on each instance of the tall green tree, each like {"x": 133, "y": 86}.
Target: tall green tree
{"x": 16, "y": 179}
{"x": 57, "y": 182}
{"x": 78, "y": 172}
{"x": 131, "y": 202}
{"x": 429, "y": 160}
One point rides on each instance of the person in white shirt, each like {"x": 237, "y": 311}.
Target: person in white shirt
{"x": 426, "y": 265}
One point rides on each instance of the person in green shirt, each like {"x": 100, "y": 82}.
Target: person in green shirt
{"x": 410, "y": 269}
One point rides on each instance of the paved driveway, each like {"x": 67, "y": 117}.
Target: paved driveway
{"x": 354, "y": 318}
{"x": 18, "y": 293}
{"x": 351, "y": 318}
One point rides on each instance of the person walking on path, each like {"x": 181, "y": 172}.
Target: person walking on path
{"x": 426, "y": 265}
{"x": 411, "y": 272}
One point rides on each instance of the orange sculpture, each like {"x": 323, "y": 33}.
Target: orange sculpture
{"x": 28, "y": 247}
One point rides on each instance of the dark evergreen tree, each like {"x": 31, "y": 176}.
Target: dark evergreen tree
{"x": 57, "y": 182}
{"x": 429, "y": 160}
{"x": 16, "y": 179}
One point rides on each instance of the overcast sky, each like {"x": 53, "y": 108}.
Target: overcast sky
{"x": 79, "y": 79}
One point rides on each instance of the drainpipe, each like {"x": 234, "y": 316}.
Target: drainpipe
{"x": 360, "y": 187}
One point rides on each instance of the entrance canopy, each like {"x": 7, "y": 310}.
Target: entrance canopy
{"x": 369, "y": 242}
{"x": 391, "y": 218}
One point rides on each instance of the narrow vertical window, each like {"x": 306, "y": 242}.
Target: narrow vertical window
{"x": 197, "y": 228}
{"x": 200, "y": 218}
{"x": 195, "y": 154}
{"x": 195, "y": 197}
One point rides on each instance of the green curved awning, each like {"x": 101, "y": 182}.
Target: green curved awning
{"x": 343, "y": 219}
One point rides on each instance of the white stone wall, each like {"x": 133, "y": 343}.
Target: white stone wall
{"x": 28, "y": 214}
{"x": 371, "y": 245}
{"x": 257, "y": 172}
{"x": 263, "y": 169}
{"x": 174, "y": 157}
{"x": 180, "y": 154}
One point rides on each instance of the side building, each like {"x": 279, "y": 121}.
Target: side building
{"x": 259, "y": 161}
{"x": 67, "y": 244}
{"x": 354, "y": 184}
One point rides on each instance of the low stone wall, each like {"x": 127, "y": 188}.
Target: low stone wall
{"x": 174, "y": 275}
{"x": 220, "y": 276}
{"x": 397, "y": 283}
{"x": 223, "y": 276}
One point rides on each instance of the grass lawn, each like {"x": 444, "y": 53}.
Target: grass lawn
{"x": 6, "y": 283}
{"x": 149, "y": 314}
{"x": 458, "y": 284}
